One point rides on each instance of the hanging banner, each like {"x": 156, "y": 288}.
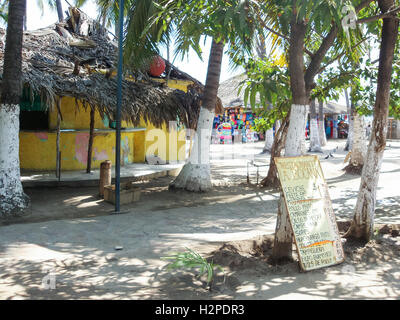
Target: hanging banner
{"x": 310, "y": 212}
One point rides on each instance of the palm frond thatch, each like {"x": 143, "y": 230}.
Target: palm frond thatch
{"x": 64, "y": 59}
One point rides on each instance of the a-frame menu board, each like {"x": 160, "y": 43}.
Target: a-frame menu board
{"x": 310, "y": 211}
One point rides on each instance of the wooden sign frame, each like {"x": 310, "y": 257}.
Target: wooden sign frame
{"x": 322, "y": 245}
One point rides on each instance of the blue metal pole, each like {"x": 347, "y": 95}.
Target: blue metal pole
{"x": 119, "y": 103}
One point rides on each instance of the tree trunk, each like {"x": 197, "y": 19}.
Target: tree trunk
{"x": 349, "y": 142}
{"x": 260, "y": 46}
{"x": 335, "y": 127}
{"x": 295, "y": 141}
{"x": 362, "y": 226}
{"x": 283, "y": 241}
{"x": 277, "y": 125}
{"x": 269, "y": 136}
{"x": 359, "y": 147}
{"x": 103, "y": 18}
{"x": 13, "y": 200}
{"x": 59, "y": 10}
{"x": 195, "y": 174}
{"x": 271, "y": 180}
{"x": 91, "y": 139}
{"x": 315, "y": 145}
{"x": 58, "y": 158}
{"x": 321, "y": 124}
{"x": 25, "y": 20}
{"x": 116, "y": 28}
{"x": 269, "y": 140}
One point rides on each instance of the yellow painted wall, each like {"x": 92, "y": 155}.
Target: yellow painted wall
{"x": 73, "y": 117}
{"x": 177, "y": 154}
{"x": 158, "y": 141}
{"x": 176, "y": 84}
{"x": 38, "y": 149}
{"x": 78, "y": 118}
{"x": 140, "y": 147}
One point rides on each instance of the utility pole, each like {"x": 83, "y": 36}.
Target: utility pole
{"x": 118, "y": 115}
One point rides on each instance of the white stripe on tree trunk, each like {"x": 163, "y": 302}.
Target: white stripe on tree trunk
{"x": 195, "y": 174}
{"x": 12, "y": 197}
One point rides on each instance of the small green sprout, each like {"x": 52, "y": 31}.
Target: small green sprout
{"x": 192, "y": 259}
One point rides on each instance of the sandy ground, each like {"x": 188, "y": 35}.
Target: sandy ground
{"x": 71, "y": 237}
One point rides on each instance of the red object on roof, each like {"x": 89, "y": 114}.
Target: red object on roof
{"x": 157, "y": 66}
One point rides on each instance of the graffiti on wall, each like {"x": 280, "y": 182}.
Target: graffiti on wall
{"x": 125, "y": 150}
{"x": 100, "y": 155}
{"x": 42, "y": 136}
{"x": 81, "y": 147}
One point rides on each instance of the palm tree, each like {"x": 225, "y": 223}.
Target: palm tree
{"x": 13, "y": 200}
{"x": 189, "y": 20}
{"x": 195, "y": 174}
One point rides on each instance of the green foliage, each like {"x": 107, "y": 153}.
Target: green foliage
{"x": 332, "y": 81}
{"x": 50, "y": 3}
{"x": 269, "y": 84}
{"x": 394, "y": 104}
{"x": 363, "y": 86}
{"x": 191, "y": 259}
{"x": 319, "y": 17}
{"x": 40, "y": 3}
{"x": 143, "y": 38}
{"x": 267, "y": 91}
{"x": 53, "y": 5}
{"x": 4, "y": 10}
{"x": 262, "y": 124}
{"x": 151, "y": 23}
{"x": 108, "y": 10}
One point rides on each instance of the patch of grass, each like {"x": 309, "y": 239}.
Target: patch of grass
{"x": 191, "y": 259}
{"x": 376, "y": 234}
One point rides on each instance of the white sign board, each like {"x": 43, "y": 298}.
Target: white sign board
{"x": 310, "y": 211}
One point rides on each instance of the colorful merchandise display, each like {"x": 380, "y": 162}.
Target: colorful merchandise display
{"x": 235, "y": 126}
{"x": 225, "y": 131}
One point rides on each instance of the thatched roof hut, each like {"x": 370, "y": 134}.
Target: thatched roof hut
{"x": 334, "y": 108}
{"x": 76, "y": 58}
{"x": 228, "y": 93}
